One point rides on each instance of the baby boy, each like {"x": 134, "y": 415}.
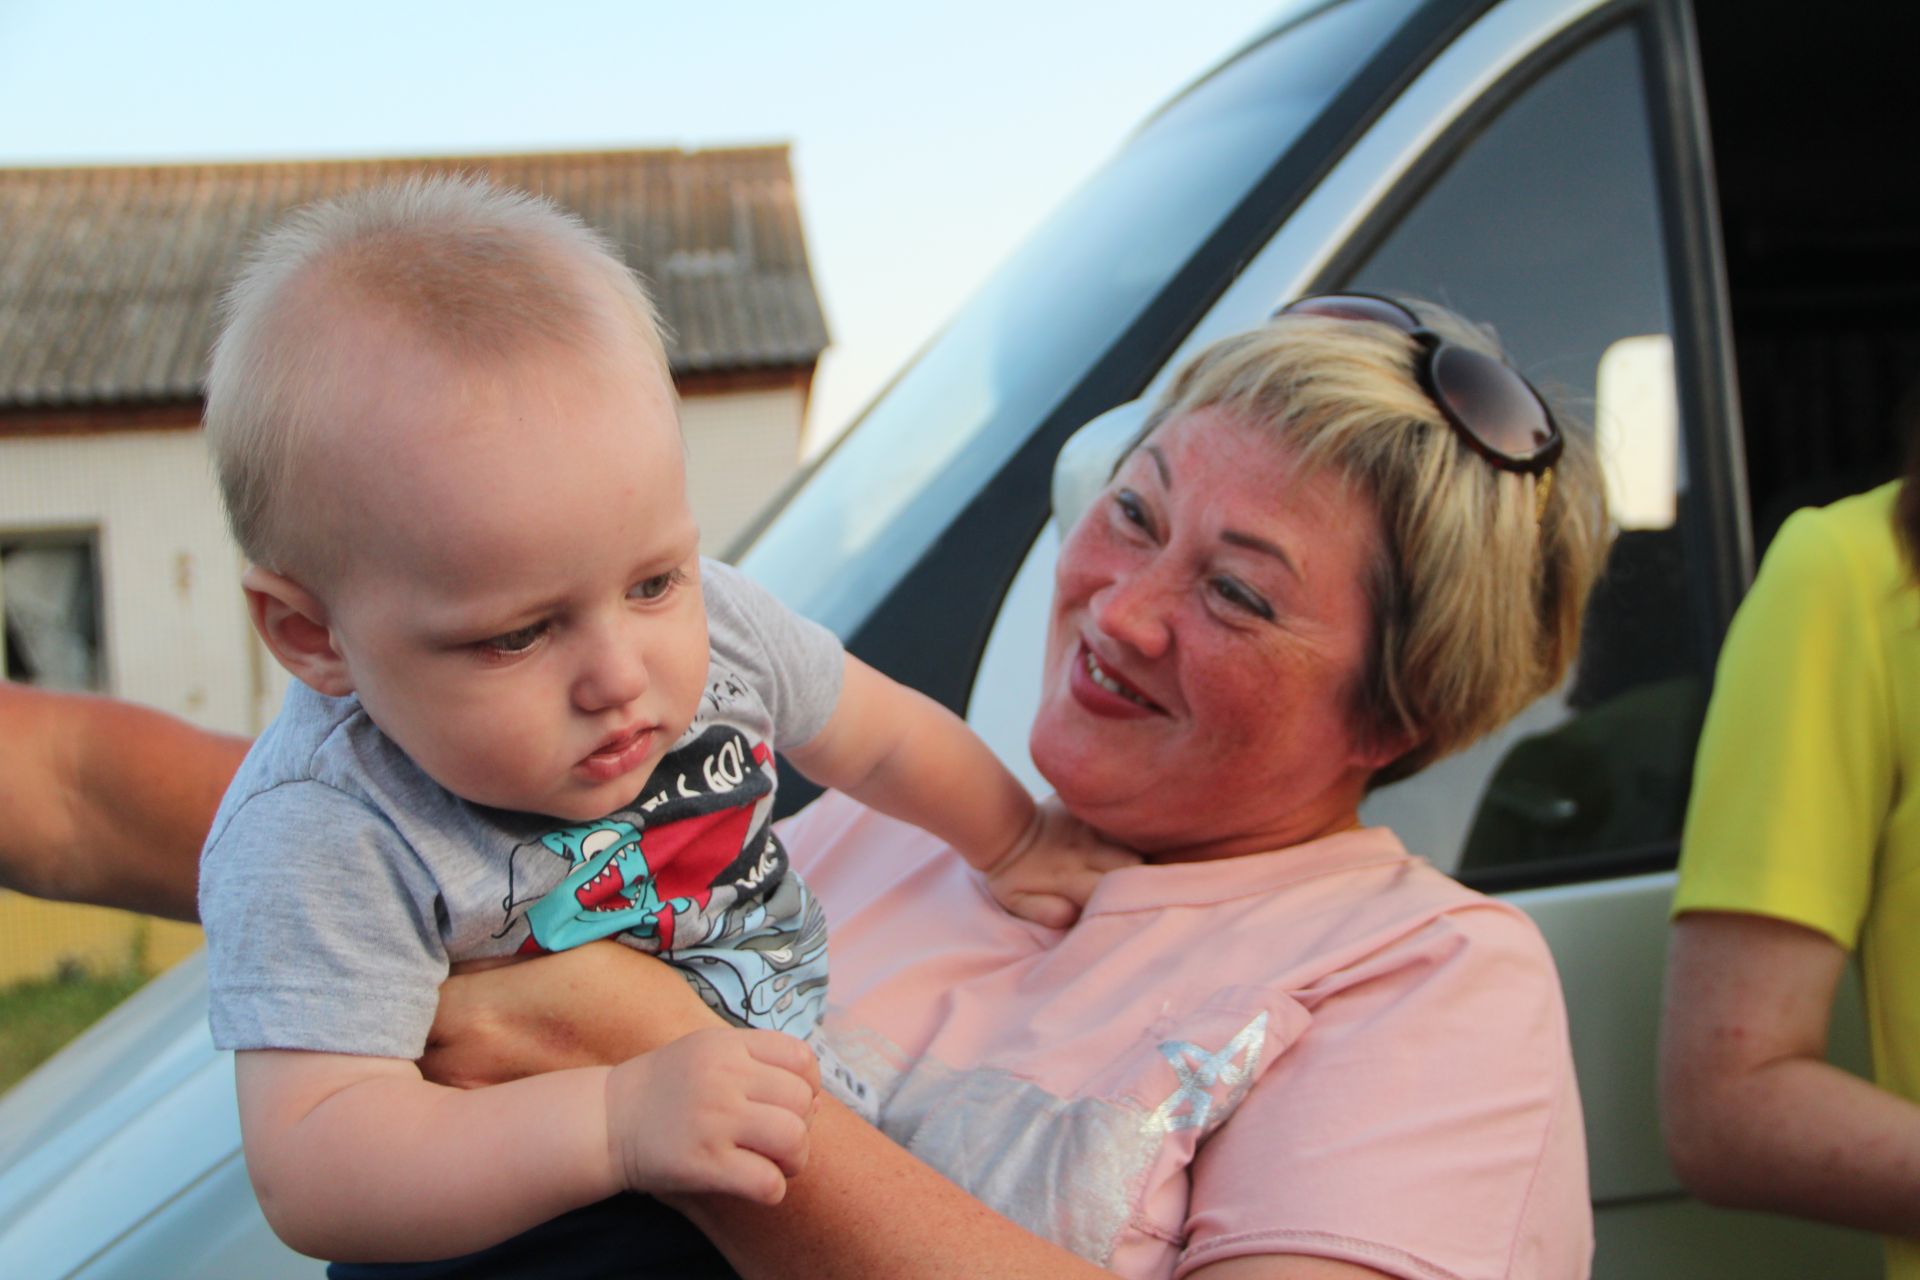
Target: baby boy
{"x": 527, "y": 715}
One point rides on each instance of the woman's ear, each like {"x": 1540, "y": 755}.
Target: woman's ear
{"x": 1376, "y": 750}
{"x": 293, "y": 623}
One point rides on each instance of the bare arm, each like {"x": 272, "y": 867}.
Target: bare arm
{"x": 360, "y": 1159}
{"x": 900, "y": 752}
{"x": 864, "y": 1206}
{"x": 1755, "y": 1116}
{"x": 1291, "y": 1267}
{"x": 868, "y": 1208}
{"x": 106, "y": 802}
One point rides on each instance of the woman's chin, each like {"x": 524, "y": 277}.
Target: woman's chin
{"x": 1084, "y": 780}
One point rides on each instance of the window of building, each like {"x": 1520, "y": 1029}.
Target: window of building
{"x": 50, "y": 603}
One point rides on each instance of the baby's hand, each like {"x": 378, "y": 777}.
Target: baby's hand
{"x": 725, "y": 1109}
{"x": 1050, "y": 872}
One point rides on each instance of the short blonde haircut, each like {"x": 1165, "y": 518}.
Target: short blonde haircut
{"x": 473, "y": 272}
{"x": 1476, "y": 599}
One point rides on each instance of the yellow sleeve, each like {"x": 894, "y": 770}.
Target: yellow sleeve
{"x": 1795, "y": 773}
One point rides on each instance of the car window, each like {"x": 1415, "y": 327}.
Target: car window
{"x": 1545, "y": 224}
{"x": 971, "y": 400}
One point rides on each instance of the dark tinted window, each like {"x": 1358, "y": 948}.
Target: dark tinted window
{"x": 1546, "y": 225}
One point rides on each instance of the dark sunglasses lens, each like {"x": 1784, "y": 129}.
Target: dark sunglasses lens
{"x": 1352, "y": 306}
{"x": 1492, "y": 402}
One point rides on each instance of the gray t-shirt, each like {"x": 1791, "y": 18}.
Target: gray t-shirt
{"x": 339, "y": 881}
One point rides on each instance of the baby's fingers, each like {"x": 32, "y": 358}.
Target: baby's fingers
{"x": 779, "y": 1087}
{"x": 749, "y": 1175}
{"x": 1111, "y": 857}
{"x": 789, "y": 1054}
{"x": 777, "y": 1134}
{"x": 1049, "y": 909}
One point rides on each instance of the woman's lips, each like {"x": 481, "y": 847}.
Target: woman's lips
{"x": 1100, "y": 691}
{"x": 619, "y": 755}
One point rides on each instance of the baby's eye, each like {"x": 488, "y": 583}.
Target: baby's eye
{"x": 519, "y": 640}
{"x": 1241, "y": 596}
{"x": 656, "y": 586}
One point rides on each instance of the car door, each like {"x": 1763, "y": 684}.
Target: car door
{"x": 1546, "y": 176}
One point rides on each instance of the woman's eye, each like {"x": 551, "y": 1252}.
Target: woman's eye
{"x": 1131, "y": 509}
{"x": 519, "y": 640}
{"x": 1240, "y": 596}
{"x": 656, "y": 586}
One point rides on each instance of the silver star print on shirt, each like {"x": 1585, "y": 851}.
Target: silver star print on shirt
{"x": 1193, "y": 1101}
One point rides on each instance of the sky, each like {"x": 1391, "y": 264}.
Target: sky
{"x": 928, "y": 137}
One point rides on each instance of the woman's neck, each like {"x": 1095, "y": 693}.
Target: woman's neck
{"x": 1296, "y": 830}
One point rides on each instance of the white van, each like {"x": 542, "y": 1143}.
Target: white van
{"x": 1734, "y": 305}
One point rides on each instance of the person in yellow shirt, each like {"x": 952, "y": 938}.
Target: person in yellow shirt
{"x": 1802, "y": 846}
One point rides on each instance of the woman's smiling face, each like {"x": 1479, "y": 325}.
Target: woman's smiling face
{"x": 1210, "y": 620}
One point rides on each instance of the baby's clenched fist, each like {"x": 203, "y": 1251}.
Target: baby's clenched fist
{"x": 722, "y": 1110}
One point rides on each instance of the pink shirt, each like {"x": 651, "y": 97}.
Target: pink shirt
{"x": 1332, "y": 1050}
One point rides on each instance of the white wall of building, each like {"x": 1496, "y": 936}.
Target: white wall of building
{"x": 742, "y": 446}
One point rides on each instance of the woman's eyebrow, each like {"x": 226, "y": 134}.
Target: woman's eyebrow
{"x": 1254, "y": 542}
{"x": 1160, "y": 464}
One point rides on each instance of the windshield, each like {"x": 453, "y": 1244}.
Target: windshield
{"x": 952, "y": 420}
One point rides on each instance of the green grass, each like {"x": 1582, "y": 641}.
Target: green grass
{"x": 36, "y": 1018}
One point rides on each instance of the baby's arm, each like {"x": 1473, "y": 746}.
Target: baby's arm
{"x": 360, "y": 1159}
{"x": 899, "y": 751}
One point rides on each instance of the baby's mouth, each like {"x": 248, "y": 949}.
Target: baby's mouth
{"x": 619, "y": 753}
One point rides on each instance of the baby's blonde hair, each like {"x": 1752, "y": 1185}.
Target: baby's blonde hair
{"x": 473, "y": 272}
{"x": 1477, "y": 591}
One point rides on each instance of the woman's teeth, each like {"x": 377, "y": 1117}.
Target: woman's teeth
{"x": 1099, "y": 676}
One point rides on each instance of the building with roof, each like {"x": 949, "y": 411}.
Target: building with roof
{"x": 116, "y": 570}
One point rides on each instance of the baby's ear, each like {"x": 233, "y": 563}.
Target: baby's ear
{"x": 293, "y": 623}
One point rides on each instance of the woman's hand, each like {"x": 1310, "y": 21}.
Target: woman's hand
{"x": 591, "y": 1006}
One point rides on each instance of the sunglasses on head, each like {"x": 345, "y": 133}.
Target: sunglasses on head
{"x": 1488, "y": 405}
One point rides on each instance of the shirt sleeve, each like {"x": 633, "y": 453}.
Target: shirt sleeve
{"x": 797, "y": 662}
{"x": 1795, "y": 773}
{"x": 321, "y": 928}
{"x": 1426, "y": 1124}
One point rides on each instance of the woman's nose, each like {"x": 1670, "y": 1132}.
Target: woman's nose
{"x": 614, "y": 670}
{"x": 1136, "y": 610}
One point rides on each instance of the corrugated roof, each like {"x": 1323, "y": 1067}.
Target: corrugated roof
{"x": 109, "y": 276}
